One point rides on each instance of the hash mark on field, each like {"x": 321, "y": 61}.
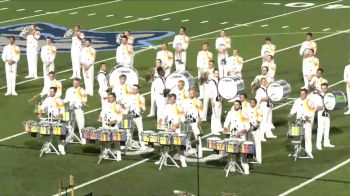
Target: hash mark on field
{"x": 3, "y": 1}
{"x": 109, "y": 15}
{"x": 20, "y": 10}
{"x": 224, "y": 23}
{"x": 36, "y": 11}
{"x": 72, "y": 13}
{"x": 92, "y": 14}
{"x": 4, "y": 8}
{"x": 264, "y": 25}
{"x": 205, "y": 21}
{"x": 284, "y": 27}
{"x": 128, "y": 16}
{"x": 165, "y": 19}
{"x": 326, "y": 29}
{"x": 304, "y": 28}
{"x": 272, "y": 3}
{"x": 186, "y": 20}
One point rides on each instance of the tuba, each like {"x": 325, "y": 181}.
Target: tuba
{"x": 69, "y": 33}
{"x": 26, "y": 31}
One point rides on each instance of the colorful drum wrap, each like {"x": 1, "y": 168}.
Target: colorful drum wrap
{"x": 232, "y": 147}
{"x": 180, "y": 140}
{"x": 119, "y": 136}
{"x": 212, "y": 142}
{"x": 247, "y": 148}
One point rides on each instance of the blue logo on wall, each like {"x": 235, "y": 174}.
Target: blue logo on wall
{"x": 102, "y": 41}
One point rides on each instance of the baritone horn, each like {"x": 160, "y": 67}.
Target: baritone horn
{"x": 69, "y": 33}
{"x": 26, "y": 31}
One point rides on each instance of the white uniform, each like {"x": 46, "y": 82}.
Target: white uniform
{"x": 316, "y": 82}
{"x": 48, "y": 85}
{"x": 255, "y": 117}
{"x": 193, "y": 109}
{"x": 267, "y": 49}
{"x": 87, "y": 57}
{"x": 222, "y": 45}
{"x": 181, "y": 42}
{"x": 206, "y": 90}
{"x": 234, "y": 66}
{"x": 47, "y": 55}
{"x": 266, "y": 110}
{"x": 305, "y": 108}
{"x": 136, "y": 105}
{"x": 76, "y": 97}
{"x": 347, "y": 80}
{"x": 32, "y": 53}
{"x": 323, "y": 122}
{"x": 121, "y": 91}
{"x": 272, "y": 69}
{"x": 103, "y": 86}
{"x": 75, "y": 54}
{"x": 203, "y": 58}
{"x": 158, "y": 100}
{"x": 11, "y": 52}
{"x": 167, "y": 58}
{"x": 181, "y": 95}
{"x": 212, "y": 92}
{"x": 310, "y": 66}
{"x": 306, "y": 45}
{"x": 111, "y": 112}
{"x": 125, "y": 55}
{"x": 237, "y": 121}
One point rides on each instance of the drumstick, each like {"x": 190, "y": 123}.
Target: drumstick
{"x": 34, "y": 97}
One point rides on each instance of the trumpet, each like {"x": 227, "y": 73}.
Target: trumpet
{"x": 69, "y": 33}
{"x": 26, "y": 31}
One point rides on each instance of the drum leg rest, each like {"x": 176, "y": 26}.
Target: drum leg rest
{"x": 232, "y": 164}
{"x": 163, "y": 160}
{"x": 50, "y": 147}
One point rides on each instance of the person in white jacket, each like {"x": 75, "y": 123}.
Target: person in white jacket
{"x": 180, "y": 45}
{"x": 103, "y": 84}
{"x": 203, "y": 58}
{"x": 222, "y": 45}
{"x": 47, "y": 55}
{"x": 87, "y": 60}
{"x": 267, "y": 49}
{"x": 11, "y": 55}
{"x": 77, "y": 41}
{"x": 347, "y": 81}
{"x": 310, "y": 66}
{"x": 306, "y": 45}
{"x": 125, "y": 53}
{"x": 32, "y": 51}
{"x": 166, "y": 57}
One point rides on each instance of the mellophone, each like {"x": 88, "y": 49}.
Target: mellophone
{"x": 231, "y": 146}
{"x": 45, "y": 128}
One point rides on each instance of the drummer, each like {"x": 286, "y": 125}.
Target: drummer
{"x": 317, "y": 80}
{"x": 267, "y": 49}
{"x": 103, "y": 83}
{"x": 255, "y": 117}
{"x": 243, "y": 99}
{"x": 55, "y": 108}
{"x": 264, "y": 74}
{"x": 236, "y": 125}
{"x": 166, "y": 58}
{"x": 180, "y": 92}
{"x": 270, "y": 64}
{"x": 234, "y": 64}
{"x": 110, "y": 116}
{"x": 347, "y": 83}
{"x": 216, "y": 103}
{"x": 122, "y": 89}
{"x": 158, "y": 99}
{"x": 174, "y": 113}
{"x": 207, "y": 88}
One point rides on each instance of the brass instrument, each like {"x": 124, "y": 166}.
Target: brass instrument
{"x": 26, "y": 31}
{"x": 69, "y": 33}
{"x": 255, "y": 85}
{"x": 118, "y": 38}
{"x": 151, "y": 74}
{"x": 203, "y": 78}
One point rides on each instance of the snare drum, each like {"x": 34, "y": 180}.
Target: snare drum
{"x": 295, "y": 129}
{"x": 278, "y": 91}
{"x": 59, "y": 129}
{"x": 45, "y": 128}
{"x": 335, "y": 100}
{"x": 229, "y": 87}
{"x": 104, "y": 135}
{"x": 232, "y": 146}
{"x": 28, "y": 126}
{"x": 172, "y": 80}
{"x": 220, "y": 145}
{"x": 146, "y": 135}
{"x": 94, "y": 134}
{"x": 248, "y": 147}
{"x": 38, "y": 107}
{"x": 131, "y": 76}
{"x": 164, "y": 138}
{"x": 212, "y": 142}
{"x": 119, "y": 135}
{"x": 179, "y": 139}
{"x": 126, "y": 122}
{"x": 86, "y": 132}
{"x": 67, "y": 115}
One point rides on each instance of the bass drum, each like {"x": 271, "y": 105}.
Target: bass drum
{"x": 172, "y": 80}
{"x": 278, "y": 91}
{"x": 131, "y": 76}
{"x": 229, "y": 87}
{"x": 335, "y": 100}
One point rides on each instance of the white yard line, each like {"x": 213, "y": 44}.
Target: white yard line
{"x": 315, "y": 178}
{"x": 59, "y": 11}
{"x": 161, "y": 15}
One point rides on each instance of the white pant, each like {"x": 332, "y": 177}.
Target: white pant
{"x": 75, "y": 56}
{"x": 348, "y": 95}
{"x": 223, "y": 70}
{"x": 139, "y": 126}
{"x": 216, "y": 125}
{"x": 206, "y": 99}
{"x": 322, "y": 129}
{"x": 178, "y": 66}
{"x": 32, "y": 59}
{"x": 11, "y": 72}
{"x": 196, "y": 132}
{"x": 257, "y": 141}
{"x": 308, "y": 137}
{"x": 103, "y": 102}
{"x": 160, "y": 105}
{"x": 306, "y": 82}
{"x": 80, "y": 120}
{"x": 88, "y": 76}
{"x": 152, "y": 110}
{"x": 46, "y": 72}
{"x": 266, "y": 120}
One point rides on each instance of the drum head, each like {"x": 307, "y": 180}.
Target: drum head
{"x": 277, "y": 91}
{"x": 172, "y": 80}
{"x": 329, "y": 101}
{"x": 227, "y": 88}
{"x": 131, "y": 76}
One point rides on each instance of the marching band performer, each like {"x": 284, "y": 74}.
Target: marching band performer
{"x": 180, "y": 45}
{"x": 180, "y": 92}
{"x": 267, "y": 49}
{"x": 47, "y": 55}
{"x": 323, "y": 121}
{"x": 307, "y": 45}
{"x": 347, "y": 81}
{"x": 136, "y": 105}
{"x": 174, "y": 114}
{"x": 265, "y": 106}
{"x": 87, "y": 60}
{"x": 243, "y": 99}
{"x": 194, "y": 108}
{"x": 103, "y": 83}
{"x": 269, "y": 62}
{"x": 125, "y": 54}
{"x": 111, "y": 115}
{"x": 234, "y": 64}
{"x": 203, "y": 58}
{"x": 207, "y": 88}
{"x": 222, "y": 45}
{"x": 77, "y": 40}
{"x": 122, "y": 89}
{"x": 264, "y": 74}
{"x": 255, "y": 117}
{"x": 77, "y": 98}
{"x": 11, "y": 55}
{"x": 166, "y": 57}
{"x": 304, "y": 108}
{"x": 32, "y": 52}
{"x": 317, "y": 80}
{"x": 131, "y": 39}
{"x": 55, "y": 108}
{"x": 216, "y": 103}
{"x": 52, "y": 83}
{"x": 158, "y": 98}
{"x": 310, "y": 66}
{"x": 236, "y": 124}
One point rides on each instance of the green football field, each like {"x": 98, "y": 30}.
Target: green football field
{"x": 248, "y": 22}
